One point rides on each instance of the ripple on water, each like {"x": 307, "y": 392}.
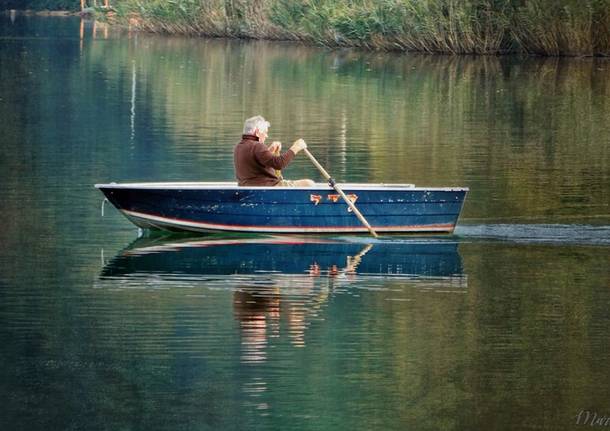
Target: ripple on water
{"x": 538, "y": 233}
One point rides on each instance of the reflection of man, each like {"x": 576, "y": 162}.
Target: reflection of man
{"x": 252, "y": 311}
{"x": 256, "y": 164}
{"x": 258, "y": 312}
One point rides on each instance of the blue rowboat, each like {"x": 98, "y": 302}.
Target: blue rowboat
{"x": 205, "y": 207}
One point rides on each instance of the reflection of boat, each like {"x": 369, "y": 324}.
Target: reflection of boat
{"x": 280, "y": 285}
{"x": 202, "y": 207}
{"x": 286, "y": 255}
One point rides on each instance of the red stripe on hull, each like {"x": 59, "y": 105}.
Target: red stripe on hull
{"x": 160, "y": 222}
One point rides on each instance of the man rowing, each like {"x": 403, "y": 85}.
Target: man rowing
{"x": 259, "y": 165}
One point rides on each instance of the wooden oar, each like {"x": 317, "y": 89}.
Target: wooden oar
{"x": 334, "y": 185}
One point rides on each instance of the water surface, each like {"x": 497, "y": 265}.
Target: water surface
{"x": 501, "y": 326}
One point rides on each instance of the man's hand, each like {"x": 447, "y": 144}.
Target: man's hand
{"x": 275, "y": 147}
{"x": 298, "y": 145}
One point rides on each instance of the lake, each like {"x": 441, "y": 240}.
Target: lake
{"x": 502, "y": 326}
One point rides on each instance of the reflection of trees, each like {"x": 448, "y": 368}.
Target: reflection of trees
{"x": 525, "y": 343}
{"x": 441, "y": 359}
{"x": 521, "y": 134}
{"x": 533, "y": 333}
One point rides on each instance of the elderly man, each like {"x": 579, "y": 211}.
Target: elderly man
{"x": 258, "y": 165}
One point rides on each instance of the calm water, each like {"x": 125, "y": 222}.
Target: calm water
{"x": 502, "y": 326}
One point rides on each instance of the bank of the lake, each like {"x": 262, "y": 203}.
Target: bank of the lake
{"x": 541, "y": 27}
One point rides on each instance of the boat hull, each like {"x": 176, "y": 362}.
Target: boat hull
{"x": 205, "y": 207}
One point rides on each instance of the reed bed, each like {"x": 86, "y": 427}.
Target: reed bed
{"x": 542, "y": 27}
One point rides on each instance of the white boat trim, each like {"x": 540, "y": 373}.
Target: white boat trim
{"x": 234, "y": 186}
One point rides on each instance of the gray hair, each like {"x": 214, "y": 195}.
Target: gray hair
{"x": 257, "y": 122}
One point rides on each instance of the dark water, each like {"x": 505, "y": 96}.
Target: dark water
{"x": 503, "y": 326}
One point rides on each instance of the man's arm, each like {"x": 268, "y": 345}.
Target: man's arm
{"x": 267, "y": 159}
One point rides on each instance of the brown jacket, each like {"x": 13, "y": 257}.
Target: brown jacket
{"x": 255, "y": 165}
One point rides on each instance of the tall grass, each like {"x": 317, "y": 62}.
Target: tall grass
{"x": 546, "y": 27}
{"x": 220, "y": 18}
{"x": 568, "y": 27}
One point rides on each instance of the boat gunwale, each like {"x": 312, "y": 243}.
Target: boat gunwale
{"x": 234, "y": 186}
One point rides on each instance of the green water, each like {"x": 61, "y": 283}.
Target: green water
{"x": 507, "y": 328}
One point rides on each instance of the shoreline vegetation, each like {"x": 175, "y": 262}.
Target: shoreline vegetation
{"x": 488, "y": 27}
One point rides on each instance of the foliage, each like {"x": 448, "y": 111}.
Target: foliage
{"x": 547, "y": 27}
{"x": 566, "y": 27}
